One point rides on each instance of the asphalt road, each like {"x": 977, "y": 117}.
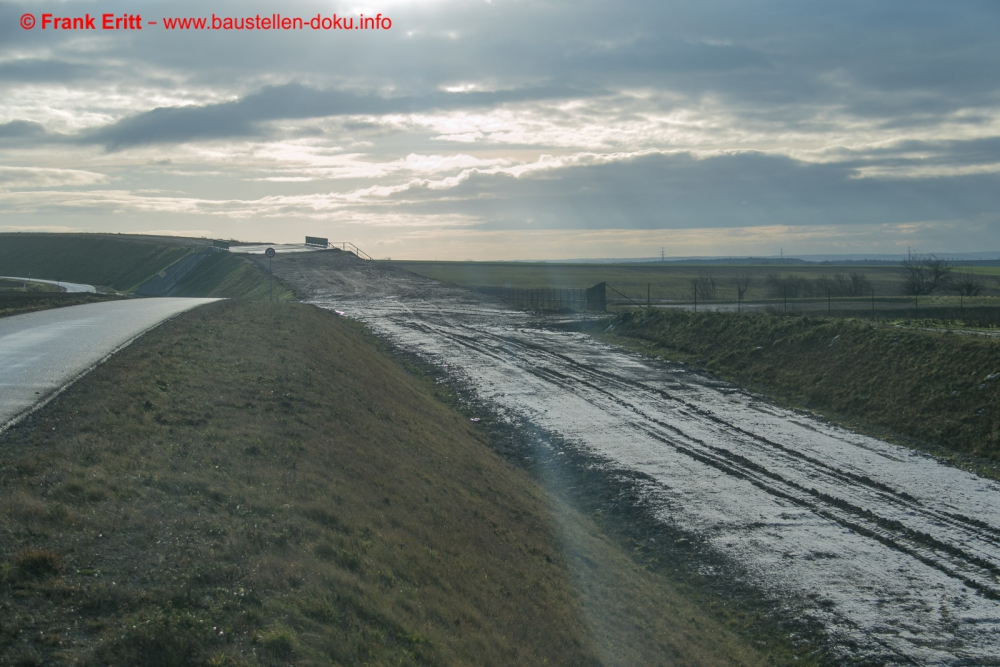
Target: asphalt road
{"x": 67, "y": 287}
{"x": 44, "y": 351}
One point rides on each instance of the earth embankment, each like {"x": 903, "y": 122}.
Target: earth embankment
{"x": 256, "y": 483}
{"x": 122, "y": 263}
{"x": 872, "y": 552}
{"x": 937, "y": 390}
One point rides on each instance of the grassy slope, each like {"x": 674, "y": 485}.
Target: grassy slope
{"x": 253, "y": 483}
{"x": 886, "y": 379}
{"x": 234, "y": 277}
{"x": 120, "y": 263}
{"x": 14, "y": 302}
{"x": 124, "y": 263}
{"x": 19, "y": 286}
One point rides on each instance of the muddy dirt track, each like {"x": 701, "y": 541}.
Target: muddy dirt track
{"x": 896, "y": 555}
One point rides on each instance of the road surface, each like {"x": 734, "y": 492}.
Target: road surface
{"x": 894, "y": 554}
{"x": 280, "y": 248}
{"x": 67, "y": 287}
{"x": 42, "y": 352}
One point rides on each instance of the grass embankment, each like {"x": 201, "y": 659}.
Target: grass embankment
{"x": 233, "y": 277}
{"x": 94, "y": 259}
{"x": 929, "y": 387}
{"x": 40, "y": 296}
{"x": 26, "y": 287}
{"x": 15, "y": 303}
{"x": 254, "y": 483}
{"x": 124, "y": 263}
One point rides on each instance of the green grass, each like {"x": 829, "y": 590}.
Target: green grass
{"x": 234, "y": 277}
{"x": 123, "y": 263}
{"x": 672, "y": 283}
{"x": 923, "y": 388}
{"x": 120, "y": 263}
{"x": 16, "y": 302}
{"x": 980, "y": 270}
{"x": 667, "y": 282}
{"x": 31, "y": 287}
{"x": 254, "y": 483}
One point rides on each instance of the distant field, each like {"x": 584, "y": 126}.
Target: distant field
{"x": 675, "y": 283}
{"x": 980, "y": 270}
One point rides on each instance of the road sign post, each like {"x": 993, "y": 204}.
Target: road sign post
{"x": 269, "y": 253}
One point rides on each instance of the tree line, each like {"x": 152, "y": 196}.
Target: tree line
{"x": 919, "y": 275}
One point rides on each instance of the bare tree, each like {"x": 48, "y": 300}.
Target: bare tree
{"x": 924, "y": 274}
{"x": 788, "y": 286}
{"x": 742, "y": 281}
{"x": 968, "y": 284}
{"x": 703, "y": 286}
{"x": 855, "y": 283}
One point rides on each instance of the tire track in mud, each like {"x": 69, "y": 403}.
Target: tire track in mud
{"x": 890, "y": 532}
{"x": 885, "y": 548}
{"x": 956, "y": 563}
{"x": 894, "y": 496}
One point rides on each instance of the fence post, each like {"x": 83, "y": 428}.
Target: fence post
{"x": 648, "y": 302}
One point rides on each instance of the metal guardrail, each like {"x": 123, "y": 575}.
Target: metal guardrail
{"x": 347, "y": 246}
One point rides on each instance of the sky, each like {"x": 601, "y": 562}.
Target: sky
{"x": 513, "y": 129}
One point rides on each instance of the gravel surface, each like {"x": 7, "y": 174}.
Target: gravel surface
{"x": 894, "y": 553}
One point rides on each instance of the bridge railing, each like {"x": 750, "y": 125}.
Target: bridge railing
{"x": 347, "y": 246}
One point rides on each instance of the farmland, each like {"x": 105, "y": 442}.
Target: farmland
{"x": 847, "y": 289}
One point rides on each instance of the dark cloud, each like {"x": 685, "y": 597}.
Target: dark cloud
{"x": 24, "y": 133}
{"x": 902, "y": 62}
{"x": 38, "y": 70}
{"x": 680, "y": 191}
{"x": 244, "y": 117}
{"x": 775, "y": 74}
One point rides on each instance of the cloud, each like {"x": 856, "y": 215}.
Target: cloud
{"x": 35, "y": 70}
{"x": 39, "y": 177}
{"x": 190, "y": 233}
{"x": 25, "y": 133}
{"x": 678, "y": 190}
{"x": 507, "y": 117}
{"x": 246, "y": 117}
{"x": 54, "y": 229}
